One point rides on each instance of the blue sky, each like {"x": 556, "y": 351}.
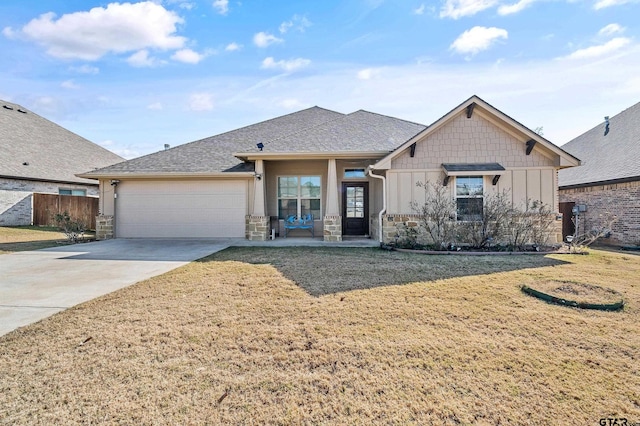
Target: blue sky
{"x": 135, "y": 76}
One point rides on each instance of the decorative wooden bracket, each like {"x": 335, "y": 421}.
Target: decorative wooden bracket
{"x": 470, "y": 109}
{"x": 495, "y": 180}
{"x": 530, "y": 144}
{"x": 413, "y": 150}
{"x": 446, "y": 181}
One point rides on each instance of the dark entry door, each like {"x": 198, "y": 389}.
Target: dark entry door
{"x": 568, "y": 227}
{"x": 355, "y": 208}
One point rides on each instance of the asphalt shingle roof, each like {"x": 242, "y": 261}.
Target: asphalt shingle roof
{"x": 606, "y": 158}
{"x": 51, "y": 153}
{"x": 360, "y": 131}
{"x": 311, "y": 130}
{"x": 215, "y": 153}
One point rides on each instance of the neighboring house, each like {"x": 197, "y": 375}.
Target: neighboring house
{"x": 37, "y": 155}
{"x": 608, "y": 181}
{"x": 356, "y": 173}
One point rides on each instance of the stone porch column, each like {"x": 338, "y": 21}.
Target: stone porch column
{"x": 257, "y": 223}
{"x": 259, "y": 190}
{"x": 332, "y": 223}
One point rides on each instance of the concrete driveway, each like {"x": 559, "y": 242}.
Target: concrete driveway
{"x": 37, "y": 284}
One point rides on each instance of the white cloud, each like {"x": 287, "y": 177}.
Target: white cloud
{"x": 222, "y": 6}
{"x": 106, "y": 143}
{"x": 118, "y": 28}
{"x": 8, "y": 32}
{"x": 232, "y": 47}
{"x": 291, "y": 104}
{"x": 201, "y": 102}
{"x": 600, "y": 50}
{"x": 85, "y": 69}
{"x": 288, "y": 66}
{"x": 126, "y": 152}
{"x": 187, "y": 5}
{"x": 69, "y": 84}
{"x": 509, "y": 9}
{"x": 263, "y": 39}
{"x": 459, "y": 8}
{"x": 156, "y": 106}
{"x": 188, "y": 56}
{"x": 478, "y": 39}
{"x": 368, "y": 73}
{"x": 141, "y": 59}
{"x": 297, "y": 22}
{"x": 611, "y": 29}
{"x": 601, "y": 4}
{"x": 419, "y": 10}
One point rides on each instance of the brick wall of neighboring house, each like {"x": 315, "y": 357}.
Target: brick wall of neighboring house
{"x": 621, "y": 200}
{"x": 16, "y": 200}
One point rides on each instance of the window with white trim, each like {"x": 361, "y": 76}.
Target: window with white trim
{"x": 76, "y": 192}
{"x": 469, "y": 197}
{"x": 299, "y": 196}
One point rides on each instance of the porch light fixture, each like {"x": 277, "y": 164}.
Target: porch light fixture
{"x": 115, "y": 182}
{"x": 260, "y": 145}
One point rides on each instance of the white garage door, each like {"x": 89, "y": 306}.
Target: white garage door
{"x": 181, "y": 209}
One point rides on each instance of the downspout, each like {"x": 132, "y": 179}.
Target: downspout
{"x": 114, "y": 183}
{"x": 384, "y": 202}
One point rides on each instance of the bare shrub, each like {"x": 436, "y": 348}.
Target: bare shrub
{"x": 492, "y": 223}
{"x": 579, "y": 242}
{"x": 531, "y": 225}
{"x": 436, "y": 214}
{"x": 72, "y": 228}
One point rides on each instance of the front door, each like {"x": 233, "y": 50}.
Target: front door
{"x": 355, "y": 208}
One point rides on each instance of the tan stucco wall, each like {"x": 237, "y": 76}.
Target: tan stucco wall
{"x": 274, "y": 169}
{"x": 473, "y": 140}
{"x": 106, "y": 198}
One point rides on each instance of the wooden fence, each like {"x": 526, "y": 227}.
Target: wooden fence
{"x": 45, "y": 206}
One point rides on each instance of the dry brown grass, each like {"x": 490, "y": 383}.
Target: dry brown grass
{"x": 22, "y": 238}
{"x": 439, "y": 343}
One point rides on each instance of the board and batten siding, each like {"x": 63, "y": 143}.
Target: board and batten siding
{"x": 478, "y": 139}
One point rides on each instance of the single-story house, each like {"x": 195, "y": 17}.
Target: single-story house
{"x": 355, "y": 173}
{"x": 608, "y": 181}
{"x": 38, "y": 156}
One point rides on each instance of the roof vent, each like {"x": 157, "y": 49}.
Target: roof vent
{"x": 22, "y": 111}
{"x": 26, "y": 163}
{"x": 606, "y": 126}
{"x": 7, "y": 107}
{"x": 167, "y": 146}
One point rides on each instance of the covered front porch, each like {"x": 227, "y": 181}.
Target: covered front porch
{"x": 339, "y": 194}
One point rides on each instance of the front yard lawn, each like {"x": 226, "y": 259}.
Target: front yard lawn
{"x": 22, "y": 238}
{"x": 347, "y": 336}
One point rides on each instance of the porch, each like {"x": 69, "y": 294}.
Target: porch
{"x": 338, "y": 193}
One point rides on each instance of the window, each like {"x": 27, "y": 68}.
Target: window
{"x": 469, "y": 199}
{"x": 354, "y": 173}
{"x": 77, "y": 192}
{"x": 298, "y": 196}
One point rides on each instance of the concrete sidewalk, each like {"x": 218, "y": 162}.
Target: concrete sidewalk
{"x": 37, "y": 284}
